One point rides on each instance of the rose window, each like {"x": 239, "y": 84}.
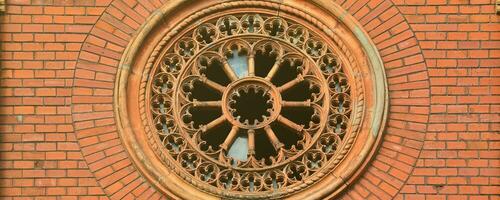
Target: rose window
{"x": 250, "y": 102}
{"x": 244, "y": 103}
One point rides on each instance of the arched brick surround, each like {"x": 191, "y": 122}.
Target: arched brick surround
{"x": 408, "y": 82}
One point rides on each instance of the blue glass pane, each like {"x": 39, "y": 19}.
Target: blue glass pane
{"x": 239, "y": 149}
{"x": 239, "y": 64}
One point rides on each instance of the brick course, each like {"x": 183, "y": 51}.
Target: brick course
{"x": 59, "y": 140}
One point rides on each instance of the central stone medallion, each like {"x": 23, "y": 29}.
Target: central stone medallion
{"x": 252, "y": 103}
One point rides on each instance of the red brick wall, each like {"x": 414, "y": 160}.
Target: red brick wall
{"x": 58, "y": 62}
{"x": 460, "y": 41}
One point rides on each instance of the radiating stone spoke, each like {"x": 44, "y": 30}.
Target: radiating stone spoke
{"x": 213, "y": 124}
{"x": 230, "y": 138}
{"x": 272, "y": 137}
{"x": 290, "y": 124}
{"x": 291, "y": 83}
{"x": 306, "y": 103}
{"x": 213, "y": 104}
{"x": 251, "y": 65}
{"x": 219, "y": 88}
{"x": 229, "y": 71}
{"x": 251, "y": 142}
{"x": 273, "y": 70}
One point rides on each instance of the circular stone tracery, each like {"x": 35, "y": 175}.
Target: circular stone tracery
{"x": 309, "y": 103}
{"x": 285, "y": 68}
{"x": 251, "y": 103}
{"x": 252, "y": 60}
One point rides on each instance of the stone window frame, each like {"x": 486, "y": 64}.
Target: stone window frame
{"x": 345, "y": 174}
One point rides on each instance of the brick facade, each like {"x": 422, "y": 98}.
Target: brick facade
{"x": 58, "y": 62}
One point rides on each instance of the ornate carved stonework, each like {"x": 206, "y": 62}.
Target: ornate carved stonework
{"x": 2, "y": 6}
{"x": 250, "y": 99}
{"x": 498, "y": 6}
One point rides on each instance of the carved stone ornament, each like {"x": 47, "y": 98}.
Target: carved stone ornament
{"x": 2, "y": 6}
{"x": 251, "y": 99}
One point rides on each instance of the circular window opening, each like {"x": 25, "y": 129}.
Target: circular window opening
{"x": 246, "y": 103}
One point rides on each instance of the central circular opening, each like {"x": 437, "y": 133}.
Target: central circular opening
{"x": 251, "y": 105}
